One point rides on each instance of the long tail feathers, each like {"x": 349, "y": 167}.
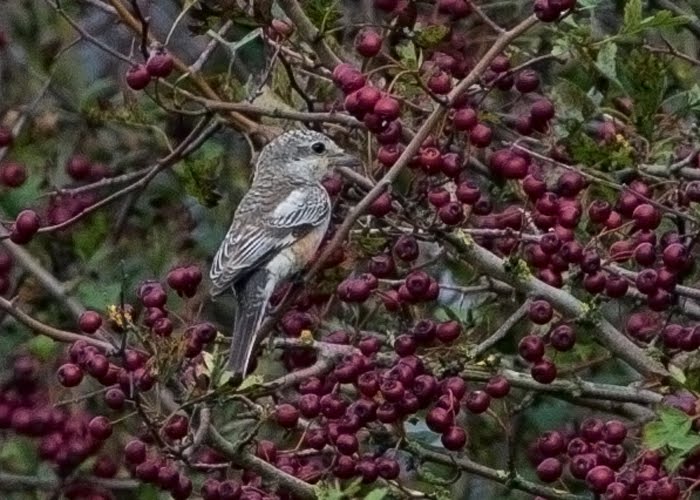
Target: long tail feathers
{"x": 252, "y": 303}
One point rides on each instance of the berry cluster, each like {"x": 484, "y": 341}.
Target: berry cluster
{"x": 596, "y": 455}
{"x": 160, "y": 64}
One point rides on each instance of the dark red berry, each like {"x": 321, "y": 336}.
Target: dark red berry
{"x": 138, "y": 77}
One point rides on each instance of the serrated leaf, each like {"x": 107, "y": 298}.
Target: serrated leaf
{"x": 407, "y": 54}
{"x": 432, "y": 35}
{"x": 633, "y": 16}
{"x": 662, "y": 19}
{"x": 572, "y": 101}
{"x": 250, "y": 381}
{"x": 683, "y": 103}
{"x": 686, "y": 443}
{"x": 673, "y": 461}
{"x": 672, "y": 427}
{"x": 606, "y": 62}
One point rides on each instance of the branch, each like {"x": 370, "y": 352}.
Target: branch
{"x": 51, "y": 332}
{"x": 195, "y": 139}
{"x": 243, "y": 458}
{"x": 310, "y": 33}
{"x": 573, "y": 388}
{"x": 501, "y": 332}
{"x": 508, "y": 480}
{"x": 47, "y": 280}
{"x": 239, "y": 121}
{"x": 563, "y": 301}
{"x": 251, "y": 109}
{"x": 412, "y": 148}
{"x": 17, "y": 482}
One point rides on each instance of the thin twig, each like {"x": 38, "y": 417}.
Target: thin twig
{"x": 49, "y": 331}
{"x": 501, "y": 332}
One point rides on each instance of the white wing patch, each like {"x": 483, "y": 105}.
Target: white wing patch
{"x": 248, "y": 243}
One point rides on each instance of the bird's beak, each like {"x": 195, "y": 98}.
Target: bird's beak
{"x": 346, "y": 160}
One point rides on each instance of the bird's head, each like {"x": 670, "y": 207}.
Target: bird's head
{"x": 305, "y": 154}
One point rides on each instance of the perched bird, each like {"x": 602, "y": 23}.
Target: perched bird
{"x": 276, "y": 230}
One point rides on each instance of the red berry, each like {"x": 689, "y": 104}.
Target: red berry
{"x": 69, "y": 375}
{"x": 25, "y": 227}
{"x": 138, "y": 77}
{"x": 497, "y": 387}
{"x": 387, "y": 108}
{"x": 549, "y": 470}
{"x": 477, "y": 401}
{"x": 599, "y": 477}
{"x": 440, "y": 83}
{"x": 6, "y": 137}
{"x": 544, "y": 371}
{"x": 368, "y": 42}
{"x": 100, "y": 428}
{"x": 527, "y": 81}
{"x": 160, "y": 64}
{"x": 135, "y": 452}
{"x": 286, "y": 415}
{"x": 531, "y": 348}
{"x": 465, "y": 119}
{"x": 12, "y": 174}
{"x": 481, "y": 135}
{"x": 454, "y": 438}
{"x": 90, "y": 322}
{"x": 176, "y": 427}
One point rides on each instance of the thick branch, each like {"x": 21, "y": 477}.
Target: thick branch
{"x": 502, "y": 331}
{"x": 574, "y": 388}
{"x": 563, "y": 301}
{"x": 47, "y": 280}
{"x": 247, "y": 460}
{"x": 500, "y": 476}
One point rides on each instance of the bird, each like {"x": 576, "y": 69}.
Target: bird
{"x": 276, "y": 230}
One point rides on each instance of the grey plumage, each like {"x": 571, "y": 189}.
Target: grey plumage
{"x": 276, "y": 229}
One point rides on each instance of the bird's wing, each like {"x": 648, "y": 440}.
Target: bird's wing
{"x": 256, "y": 235}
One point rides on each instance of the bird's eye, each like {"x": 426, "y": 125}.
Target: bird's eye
{"x": 318, "y": 147}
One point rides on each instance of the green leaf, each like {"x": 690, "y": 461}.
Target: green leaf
{"x": 673, "y": 461}
{"x": 98, "y": 295}
{"x": 662, "y": 19}
{"x": 87, "y": 239}
{"x": 42, "y": 347}
{"x": 632, "y": 17}
{"x": 200, "y": 175}
{"x": 407, "y": 54}
{"x": 431, "y": 36}
{"x": 17, "y": 455}
{"x": 606, "y": 62}
{"x": 572, "y": 101}
{"x": 377, "y": 494}
{"x": 673, "y": 426}
{"x": 683, "y": 103}
{"x": 686, "y": 443}
{"x": 250, "y": 381}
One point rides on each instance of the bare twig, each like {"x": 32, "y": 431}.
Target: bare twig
{"x": 309, "y": 33}
{"x": 17, "y": 482}
{"x": 49, "y": 331}
{"x": 501, "y": 332}
{"x": 501, "y": 476}
{"x": 243, "y": 458}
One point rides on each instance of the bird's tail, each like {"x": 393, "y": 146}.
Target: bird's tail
{"x": 252, "y": 303}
